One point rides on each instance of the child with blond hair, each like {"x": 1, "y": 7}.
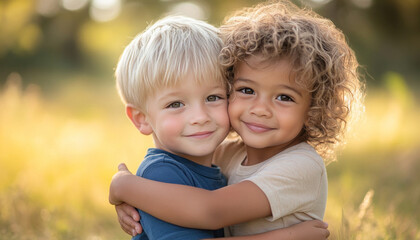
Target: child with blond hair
{"x": 174, "y": 89}
{"x": 295, "y": 91}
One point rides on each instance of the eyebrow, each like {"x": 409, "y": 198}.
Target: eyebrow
{"x": 178, "y": 92}
{"x": 279, "y": 85}
{"x": 169, "y": 96}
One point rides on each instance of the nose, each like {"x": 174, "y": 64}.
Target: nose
{"x": 261, "y": 108}
{"x": 199, "y": 115}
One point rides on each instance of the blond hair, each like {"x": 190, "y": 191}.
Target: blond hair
{"x": 164, "y": 54}
{"x": 323, "y": 63}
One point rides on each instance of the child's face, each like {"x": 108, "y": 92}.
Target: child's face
{"x": 267, "y": 108}
{"x": 190, "y": 119}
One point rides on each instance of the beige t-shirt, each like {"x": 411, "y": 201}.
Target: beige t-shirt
{"x": 294, "y": 181}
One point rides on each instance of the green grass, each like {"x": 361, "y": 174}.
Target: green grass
{"x": 59, "y": 152}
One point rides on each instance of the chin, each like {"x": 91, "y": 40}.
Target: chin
{"x": 255, "y": 144}
{"x": 200, "y": 152}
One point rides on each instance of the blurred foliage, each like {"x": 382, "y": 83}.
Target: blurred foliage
{"x": 46, "y": 38}
{"x": 63, "y": 129}
{"x": 56, "y": 160}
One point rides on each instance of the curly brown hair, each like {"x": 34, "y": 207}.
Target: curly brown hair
{"x": 323, "y": 63}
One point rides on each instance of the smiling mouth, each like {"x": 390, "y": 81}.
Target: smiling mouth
{"x": 257, "y": 128}
{"x": 200, "y": 135}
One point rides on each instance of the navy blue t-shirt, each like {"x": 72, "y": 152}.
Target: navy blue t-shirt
{"x": 166, "y": 167}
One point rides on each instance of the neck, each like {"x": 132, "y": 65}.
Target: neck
{"x": 205, "y": 160}
{"x": 202, "y": 160}
{"x": 258, "y": 155}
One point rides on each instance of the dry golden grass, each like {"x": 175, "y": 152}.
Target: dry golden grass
{"x": 57, "y": 161}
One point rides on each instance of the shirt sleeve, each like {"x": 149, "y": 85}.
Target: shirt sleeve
{"x": 291, "y": 184}
{"x": 155, "y": 228}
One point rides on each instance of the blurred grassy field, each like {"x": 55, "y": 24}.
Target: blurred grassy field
{"x": 59, "y": 152}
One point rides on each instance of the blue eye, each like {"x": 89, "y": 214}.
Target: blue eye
{"x": 175, "y": 105}
{"x": 213, "y": 98}
{"x": 284, "y": 98}
{"x": 246, "y": 90}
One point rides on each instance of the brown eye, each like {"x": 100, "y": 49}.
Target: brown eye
{"x": 246, "y": 91}
{"x": 284, "y": 98}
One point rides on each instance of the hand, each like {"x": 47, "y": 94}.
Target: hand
{"x": 115, "y": 185}
{"x": 314, "y": 230}
{"x": 129, "y": 219}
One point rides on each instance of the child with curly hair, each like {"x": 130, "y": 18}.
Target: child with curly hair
{"x": 295, "y": 91}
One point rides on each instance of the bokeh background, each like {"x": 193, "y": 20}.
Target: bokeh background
{"x": 63, "y": 129}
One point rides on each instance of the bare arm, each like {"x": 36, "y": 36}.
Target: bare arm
{"x": 309, "y": 230}
{"x": 189, "y": 206}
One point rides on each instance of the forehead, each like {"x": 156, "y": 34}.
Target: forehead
{"x": 192, "y": 80}
{"x": 256, "y": 67}
{"x": 190, "y": 84}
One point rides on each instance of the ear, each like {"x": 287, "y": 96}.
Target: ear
{"x": 138, "y": 118}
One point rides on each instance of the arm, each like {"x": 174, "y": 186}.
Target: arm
{"x": 309, "y": 230}
{"x": 156, "y": 228}
{"x": 188, "y": 206}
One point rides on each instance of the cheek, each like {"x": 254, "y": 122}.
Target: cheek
{"x": 224, "y": 118}
{"x": 170, "y": 126}
{"x": 232, "y": 113}
{"x": 234, "y": 109}
{"x": 292, "y": 120}
{"x": 220, "y": 116}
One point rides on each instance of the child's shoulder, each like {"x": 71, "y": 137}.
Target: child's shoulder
{"x": 231, "y": 148}
{"x": 157, "y": 158}
{"x": 161, "y": 166}
{"x": 302, "y": 148}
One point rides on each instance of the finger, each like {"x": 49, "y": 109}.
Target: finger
{"x": 320, "y": 224}
{"x": 129, "y": 221}
{"x": 132, "y": 219}
{"x": 125, "y": 227}
{"x": 135, "y": 215}
{"x": 139, "y": 229}
{"x": 122, "y": 167}
{"x": 132, "y": 225}
{"x": 122, "y": 219}
{"x": 121, "y": 210}
{"x": 327, "y": 233}
{"x": 131, "y": 211}
{"x": 128, "y": 229}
